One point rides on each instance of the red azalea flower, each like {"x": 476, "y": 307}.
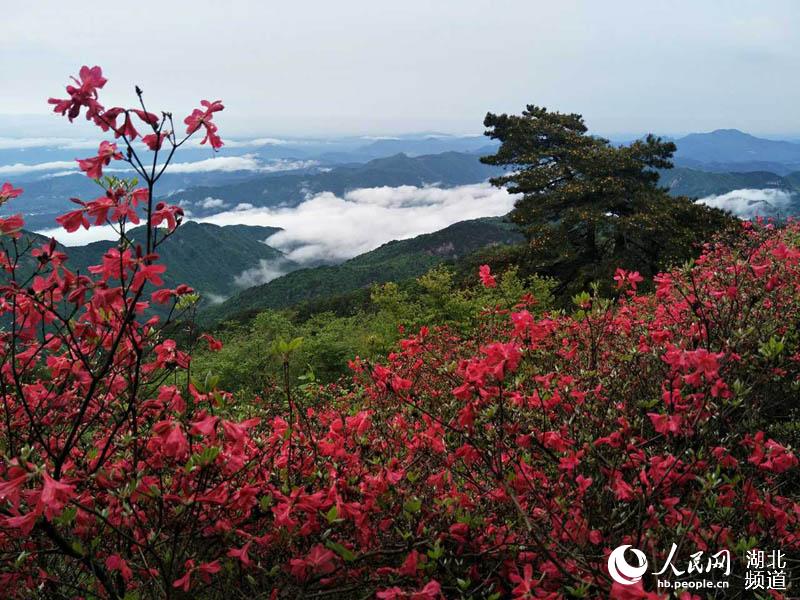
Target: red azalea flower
{"x": 487, "y": 279}
{"x": 83, "y": 93}
{"x": 93, "y": 167}
{"x": 213, "y": 344}
{"x": 155, "y": 141}
{"x": 8, "y": 191}
{"x": 203, "y": 118}
{"x": 12, "y": 226}
{"x": 54, "y": 496}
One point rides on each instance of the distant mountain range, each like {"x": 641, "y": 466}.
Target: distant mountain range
{"x": 212, "y": 259}
{"x": 343, "y": 165}
{"x": 289, "y": 189}
{"x": 734, "y": 150}
{"x": 474, "y": 144}
{"x": 444, "y": 170}
{"x": 330, "y": 151}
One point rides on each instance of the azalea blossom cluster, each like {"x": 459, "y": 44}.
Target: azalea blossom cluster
{"x": 122, "y": 204}
{"x": 505, "y": 461}
{"x": 84, "y": 94}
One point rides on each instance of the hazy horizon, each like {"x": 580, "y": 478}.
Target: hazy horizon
{"x": 52, "y": 132}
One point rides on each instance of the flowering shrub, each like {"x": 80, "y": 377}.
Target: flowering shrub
{"x": 507, "y": 461}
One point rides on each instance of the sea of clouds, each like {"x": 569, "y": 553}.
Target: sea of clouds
{"x": 330, "y": 228}
{"x": 326, "y": 228}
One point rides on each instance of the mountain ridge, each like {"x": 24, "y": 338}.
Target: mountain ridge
{"x": 732, "y": 146}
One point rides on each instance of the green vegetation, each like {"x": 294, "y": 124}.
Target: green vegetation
{"x": 698, "y": 184}
{"x": 248, "y": 364}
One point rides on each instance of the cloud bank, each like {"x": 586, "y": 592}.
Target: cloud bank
{"x": 212, "y": 203}
{"x": 82, "y": 236}
{"x": 69, "y": 143}
{"x": 225, "y": 164}
{"x": 750, "y": 203}
{"x": 257, "y": 142}
{"x": 246, "y": 162}
{"x": 330, "y": 228}
{"x": 267, "y": 270}
{"x": 21, "y": 169}
{"x": 62, "y": 143}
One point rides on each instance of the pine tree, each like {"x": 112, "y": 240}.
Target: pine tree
{"x": 589, "y": 206}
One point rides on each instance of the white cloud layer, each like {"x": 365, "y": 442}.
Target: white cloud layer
{"x": 212, "y": 203}
{"x": 20, "y": 168}
{"x": 750, "y": 203}
{"x": 62, "y": 143}
{"x": 256, "y": 142}
{"x": 82, "y": 236}
{"x": 69, "y": 143}
{"x": 329, "y": 228}
{"x": 246, "y": 162}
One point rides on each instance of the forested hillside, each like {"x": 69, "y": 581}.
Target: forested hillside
{"x": 396, "y": 261}
{"x": 204, "y": 256}
{"x": 681, "y": 181}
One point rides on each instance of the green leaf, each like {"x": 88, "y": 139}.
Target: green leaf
{"x": 67, "y": 516}
{"x": 772, "y": 348}
{"x": 347, "y": 555}
{"x": 436, "y": 552}
{"x": 186, "y": 301}
{"x": 581, "y": 299}
{"x": 412, "y": 505}
{"x": 332, "y": 514}
{"x": 209, "y": 455}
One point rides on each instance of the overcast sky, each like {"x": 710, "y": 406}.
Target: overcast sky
{"x": 370, "y": 67}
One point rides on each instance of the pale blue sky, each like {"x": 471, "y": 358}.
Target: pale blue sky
{"x": 327, "y": 67}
